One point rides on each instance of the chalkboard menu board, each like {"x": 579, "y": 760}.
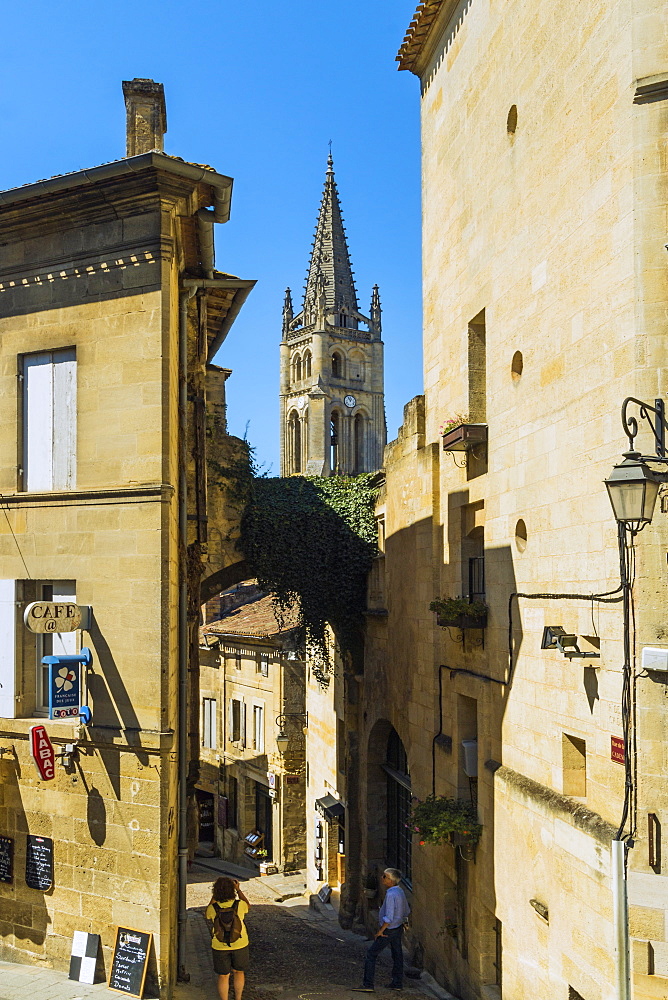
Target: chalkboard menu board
{"x": 6, "y": 859}
{"x": 39, "y": 862}
{"x": 129, "y": 962}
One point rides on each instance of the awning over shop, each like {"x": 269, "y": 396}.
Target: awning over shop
{"x": 330, "y": 808}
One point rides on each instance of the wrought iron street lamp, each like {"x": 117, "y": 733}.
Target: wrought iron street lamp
{"x": 633, "y": 489}
{"x": 632, "y": 486}
{"x": 283, "y": 739}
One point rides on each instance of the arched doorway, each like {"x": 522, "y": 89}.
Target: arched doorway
{"x": 388, "y": 800}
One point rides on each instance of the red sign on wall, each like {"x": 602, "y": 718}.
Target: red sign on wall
{"x": 617, "y": 749}
{"x": 42, "y": 752}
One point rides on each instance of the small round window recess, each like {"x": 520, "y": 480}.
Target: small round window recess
{"x": 521, "y": 535}
{"x": 517, "y": 366}
{"x": 511, "y": 121}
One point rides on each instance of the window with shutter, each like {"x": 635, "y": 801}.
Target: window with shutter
{"x": 49, "y": 420}
{"x": 209, "y": 723}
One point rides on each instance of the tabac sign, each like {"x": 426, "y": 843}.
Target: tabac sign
{"x": 42, "y": 753}
{"x": 52, "y": 616}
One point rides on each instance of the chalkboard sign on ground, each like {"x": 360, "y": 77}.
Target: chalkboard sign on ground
{"x": 129, "y": 962}
{"x": 39, "y": 862}
{"x": 6, "y": 859}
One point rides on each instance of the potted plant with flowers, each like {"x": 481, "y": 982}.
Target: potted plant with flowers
{"x": 440, "y": 820}
{"x": 459, "y": 433}
{"x": 459, "y": 612}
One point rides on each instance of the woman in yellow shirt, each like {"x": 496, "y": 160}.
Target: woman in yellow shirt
{"x": 231, "y": 957}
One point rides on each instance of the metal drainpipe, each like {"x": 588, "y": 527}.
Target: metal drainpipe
{"x": 183, "y": 633}
{"x": 620, "y": 921}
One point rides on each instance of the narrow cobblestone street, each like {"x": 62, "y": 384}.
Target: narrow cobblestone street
{"x": 297, "y": 953}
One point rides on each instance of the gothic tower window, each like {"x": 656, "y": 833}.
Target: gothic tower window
{"x": 359, "y": 443}
{"x": 335, "y": 437}
{"x": 307, "y": 364}
{"x": 295, "y": 442}
{"x": 343, "y": 320}
{"x": 298, "y": 369}
{"x": 337, "y": 365}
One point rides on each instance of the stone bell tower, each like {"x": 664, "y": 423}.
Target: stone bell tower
{"x": 332, "y": 386}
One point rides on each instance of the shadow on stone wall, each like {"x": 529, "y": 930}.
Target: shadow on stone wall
{"x": 23, "y": 912}
{"x": 409, "y": 662}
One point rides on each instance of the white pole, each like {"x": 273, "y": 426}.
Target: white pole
{"x": 620, "y": 921}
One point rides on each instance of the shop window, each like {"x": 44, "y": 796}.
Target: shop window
{"x": 54, "y": 643}
{"x": 49, "y": 420}
{"x": 209, "y": 723}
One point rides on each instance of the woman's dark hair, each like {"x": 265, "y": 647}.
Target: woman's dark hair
{"x": 223, "y": 889}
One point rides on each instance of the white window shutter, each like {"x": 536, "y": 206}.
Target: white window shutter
{"x": 8, "y": 649}
{"x": 64, "y": 419}
{"x": 38, "y": 422}
{"x": 243, "y": 723}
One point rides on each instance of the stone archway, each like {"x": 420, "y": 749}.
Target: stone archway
{"x": 388, "y": 800}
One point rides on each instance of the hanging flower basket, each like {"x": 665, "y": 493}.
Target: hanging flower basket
{"x": 458, "y": 612}
{"x": 439, "y": 820}
{"x": 463, "y": 436}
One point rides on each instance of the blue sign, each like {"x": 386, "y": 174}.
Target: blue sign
{"x": 64, "y": 689}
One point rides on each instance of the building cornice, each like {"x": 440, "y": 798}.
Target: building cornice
{"x": 421, "y": 31}
{"x": 115, "y": 170}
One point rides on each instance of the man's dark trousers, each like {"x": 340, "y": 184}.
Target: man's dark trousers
{"x": 392, "y": 936}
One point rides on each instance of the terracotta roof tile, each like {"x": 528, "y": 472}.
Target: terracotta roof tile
{"x": 416, "y": 34}
{"x": 253, "y": 619}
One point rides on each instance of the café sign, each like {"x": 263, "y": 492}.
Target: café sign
{"x": 52, "y": 616}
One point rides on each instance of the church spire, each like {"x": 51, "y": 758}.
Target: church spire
{"x": 330, "y": 261}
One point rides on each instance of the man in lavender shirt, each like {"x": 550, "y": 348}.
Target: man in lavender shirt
{"x": 391, "y": 917}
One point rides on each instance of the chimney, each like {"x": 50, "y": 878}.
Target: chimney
{"x": 146, "y": 117}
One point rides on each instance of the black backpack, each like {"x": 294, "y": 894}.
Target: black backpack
{"x": 227, "y": 926}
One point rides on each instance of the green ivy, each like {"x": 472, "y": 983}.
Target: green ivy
{"x": 437, "y": 818}
{"x": 310, "y": 542}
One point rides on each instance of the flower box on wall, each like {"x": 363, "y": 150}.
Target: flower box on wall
{"x": 462, "y": 621}
{"x": 464, "y": 437}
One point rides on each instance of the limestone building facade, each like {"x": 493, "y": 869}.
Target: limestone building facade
{"x": 111, "y": 311}
{"x": 251, "y": 787}
{"x": 545, "y": 295}
{"x": 332, "y": 410}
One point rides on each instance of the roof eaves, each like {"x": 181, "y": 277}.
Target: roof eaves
{"x": 117, "y": 168}
{"x": 416, "y": 35}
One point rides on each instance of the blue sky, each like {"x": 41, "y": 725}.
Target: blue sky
{"x": 257, "y": 91}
